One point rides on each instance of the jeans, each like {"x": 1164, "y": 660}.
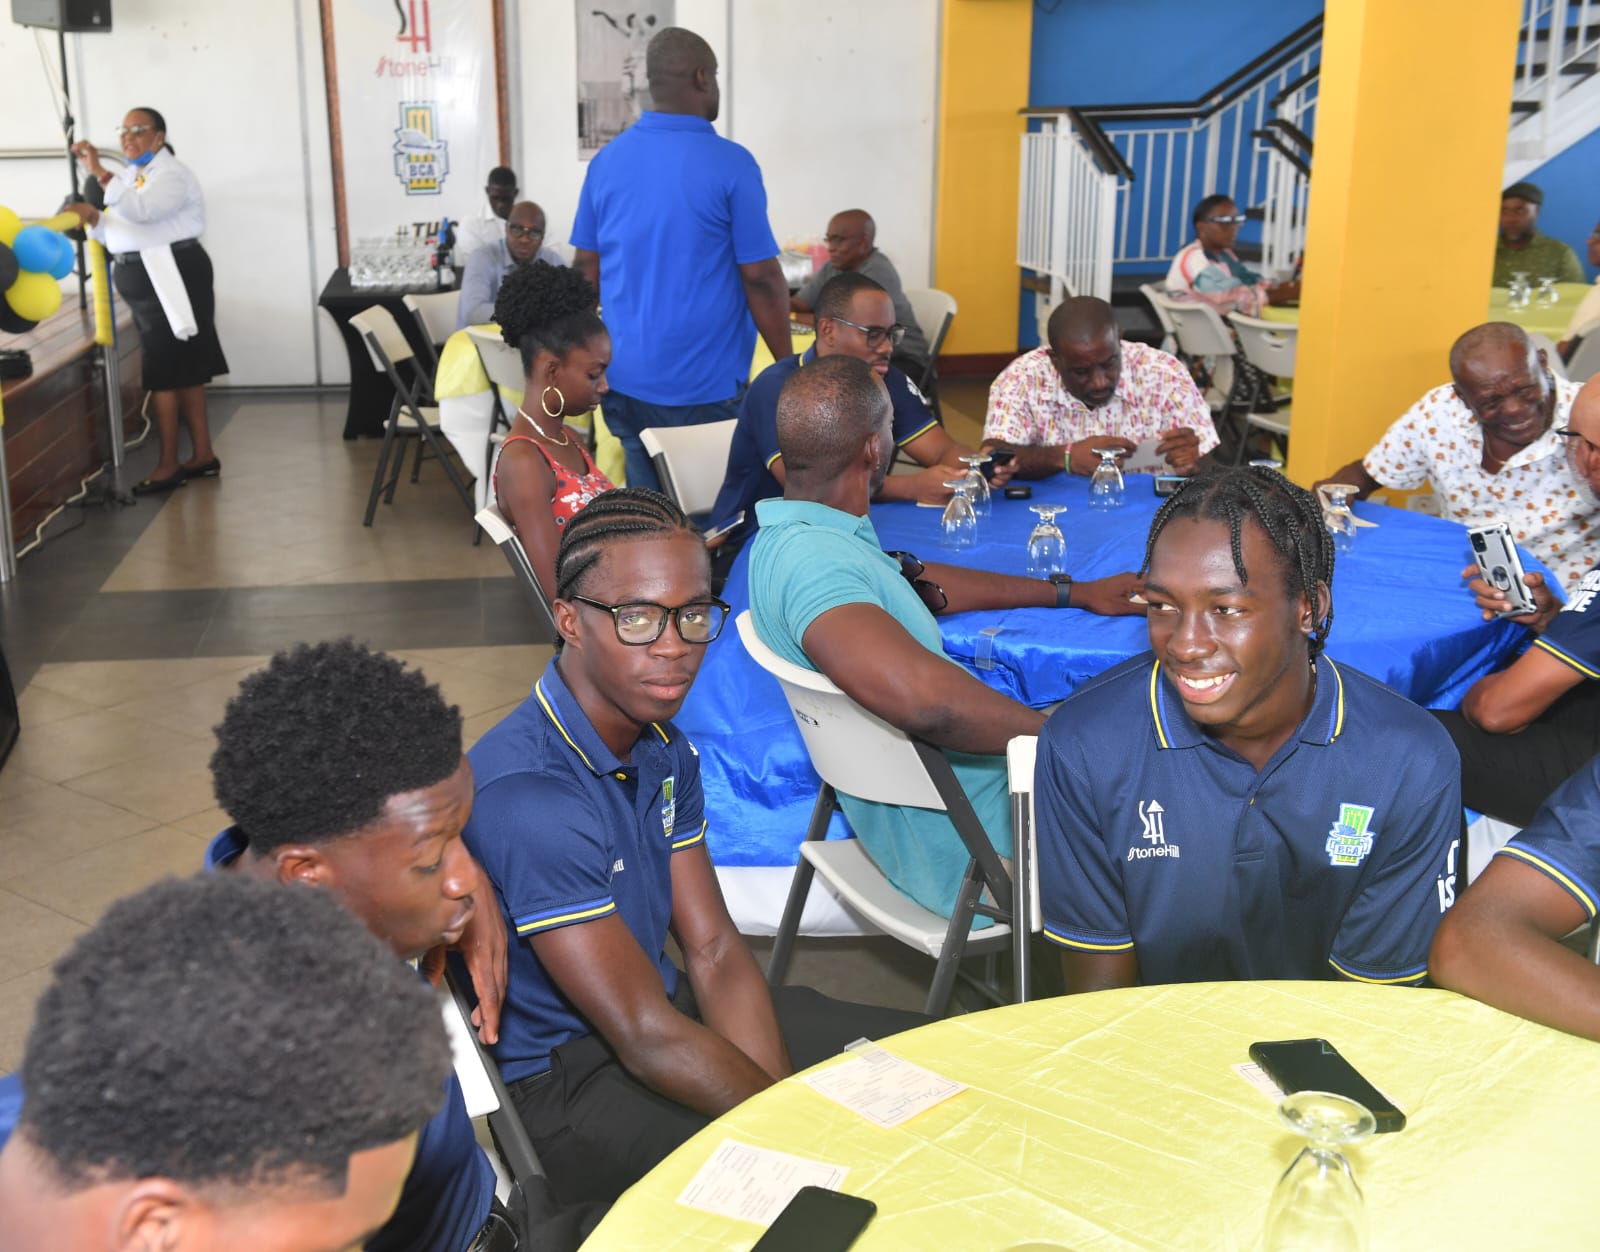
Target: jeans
{"x": 626, "y": 416}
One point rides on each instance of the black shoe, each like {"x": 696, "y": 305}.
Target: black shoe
{"x": 207, "y": 469}
{"x": 158, "y": 486}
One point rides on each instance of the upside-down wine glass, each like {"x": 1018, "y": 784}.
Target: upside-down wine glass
{"x": 1106, "y": 490}
{"x": 1047, "y": 546}
{"x": 1548, "y": 297}
{"x": 958, "y": 528}
{"x": 1518, "y": 291}
{"x": 981, "y": 504}
{"x": 1317, "y": 1203}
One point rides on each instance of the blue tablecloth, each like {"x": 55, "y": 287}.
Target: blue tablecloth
{"x": 1401, "y": 614}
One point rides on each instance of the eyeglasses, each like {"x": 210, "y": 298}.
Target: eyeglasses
{"x": 524, "y": 232}
{"x": 1232, "y": 219}
{"x": 1566, "y": 432}
{"x": 877, "y": 334}
{"x": 911, "y": 569}
{"x": 833, "y": 241}
{"x": 131, "y": 130}
{"x": 638, "y": 624}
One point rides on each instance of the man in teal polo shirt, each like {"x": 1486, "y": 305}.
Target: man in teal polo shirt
{"x": 672, "y": 228}
{"x": 824, "y": 595}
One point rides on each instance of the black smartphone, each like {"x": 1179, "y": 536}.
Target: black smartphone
{"x": 1166, "y": 484}
{"x": 997, "y": 458}
{"x": 817, "y": 1220}
{"x": 1315, "y": 1065}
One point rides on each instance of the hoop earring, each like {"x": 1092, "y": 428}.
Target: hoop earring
{"x": 561, "y": 401}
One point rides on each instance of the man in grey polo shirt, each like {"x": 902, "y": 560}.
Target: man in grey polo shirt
{"x": 851, "y": 247}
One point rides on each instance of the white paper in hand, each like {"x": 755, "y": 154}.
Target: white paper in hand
{"x": 753, "y": 1184}
{"x": 882, "y": 1087}
{"x": 1144, "y": 460}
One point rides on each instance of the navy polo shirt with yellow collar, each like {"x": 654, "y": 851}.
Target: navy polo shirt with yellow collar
{"x": 1573, "y": 635}
{"x": 1337, "y": 859}
{"x": 569, "y": 834}
{"x": 1563, "y": 842}
{"x": 755, "y": 438}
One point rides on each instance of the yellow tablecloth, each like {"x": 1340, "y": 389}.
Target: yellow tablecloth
{"x": 1550, "y": 322}
{"x": 1115, "y": 1120}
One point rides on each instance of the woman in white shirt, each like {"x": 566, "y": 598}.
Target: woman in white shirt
{"x": 152, "y": 221}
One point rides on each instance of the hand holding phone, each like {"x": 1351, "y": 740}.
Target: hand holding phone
{"x": 1315, "y": 1065}
{"x": 1496, "y": 555}
{"x": 997, "y": 458}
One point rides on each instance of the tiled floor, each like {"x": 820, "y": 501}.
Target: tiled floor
{"x": 127, "y": 636}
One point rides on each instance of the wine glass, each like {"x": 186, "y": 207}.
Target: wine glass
{"x": 1338, "y": 515}
{"x": 981, "y": 504}
{"x": 958, "y": 528}
{"x": 1106, "y": 489}
{"x": 1317, "y": 1203}
{"x": 1519, "y": 291}
{"x": 1047, "y": 546}
{"x": 1549, "y": 297}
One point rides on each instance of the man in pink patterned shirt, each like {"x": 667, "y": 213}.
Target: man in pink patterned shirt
{"x": 1056, "y": 406}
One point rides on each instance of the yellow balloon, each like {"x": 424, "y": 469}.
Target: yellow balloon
{"x": 34, "y": 295}
{"x": 62, "y": 222}
{"x": 10, "y": 224}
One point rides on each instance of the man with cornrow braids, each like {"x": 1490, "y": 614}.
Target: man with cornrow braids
{"x": 589, "y": 822}
{"x": 1233, "y": 804}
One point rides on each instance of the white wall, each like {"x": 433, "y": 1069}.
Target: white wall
{"x": 836, "y": 101}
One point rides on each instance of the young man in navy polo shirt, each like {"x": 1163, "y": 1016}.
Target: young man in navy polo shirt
{"x": 672, "y": 228}
{"x": 1233, "y": 804}
{"x": 855, "y": 317}
{"x": 589, "y": 820}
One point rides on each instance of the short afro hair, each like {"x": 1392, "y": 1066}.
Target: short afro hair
{"x": 1208, "y": 206}
{"x": 547, "y": 308}
{"x": 839, "y": 293}
{"x": 315, "y": 744}
{"x": 228, "y": 1032}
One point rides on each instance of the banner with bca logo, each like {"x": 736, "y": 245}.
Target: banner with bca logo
{"x": 417, "y": 110}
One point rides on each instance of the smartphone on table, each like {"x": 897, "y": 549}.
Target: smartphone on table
{"x": 817, "y": 1220}
{"x": 1496, "y": 554}
{"x": 1315, "y": 1065}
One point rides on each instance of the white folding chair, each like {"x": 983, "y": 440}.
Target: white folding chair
{"x": 408, "y": 416}
{"x": 862, "y": 755}
{"x": 494, "y": 524}
{"x": 1270, "y": 348}
{"x": 435, "y": 314}
{"x": 1584, "y": 363}
{"x": 1169, "y": 332}
{"x": 502, "y": 365}
{"x": 691, "y": 461}
{"x": 1552, "y": 355}
{"x": 1026, "y": 922}
{"x": 934, "y": 311}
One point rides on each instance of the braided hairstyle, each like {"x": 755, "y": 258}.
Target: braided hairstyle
{"x": 1289, "y": 516}
{"x": 623, "y": 513}
{"x": 547, "y": 308}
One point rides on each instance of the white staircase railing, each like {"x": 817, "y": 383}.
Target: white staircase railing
{"x": 1556, "y": 93}
{"x": 1066, "y": 222}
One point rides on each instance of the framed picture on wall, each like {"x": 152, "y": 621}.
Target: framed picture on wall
{"x": 612, "y": 91}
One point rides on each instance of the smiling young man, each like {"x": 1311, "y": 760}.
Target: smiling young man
{"x": 590, "y": 822}
{"x": 220, "y": 1064}
{"x": 1232, "y": 804}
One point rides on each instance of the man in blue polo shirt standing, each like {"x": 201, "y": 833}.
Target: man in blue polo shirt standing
{"x": 1233, "y": 805}
{"x": 855, "y": 317}
{"x": 672, "y": 228}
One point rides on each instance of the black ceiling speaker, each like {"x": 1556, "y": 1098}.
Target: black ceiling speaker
{"x": 72, "y": 16}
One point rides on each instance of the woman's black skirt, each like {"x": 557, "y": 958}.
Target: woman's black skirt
{"x": 171, "y": 363}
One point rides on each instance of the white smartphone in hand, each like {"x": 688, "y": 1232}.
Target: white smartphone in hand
{"x": 1496, "y": 554}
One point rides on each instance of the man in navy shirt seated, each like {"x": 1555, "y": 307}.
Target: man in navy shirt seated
{"x": 590, "y": 822}
{"x": 1502, "y": 942}
{"x": 341, "y": 769}
{"x": 855, "y": 317}
{"x": 1524, "y": 730}
{"x": 219, "y": 1064}
{"x": 1233, "y": 804}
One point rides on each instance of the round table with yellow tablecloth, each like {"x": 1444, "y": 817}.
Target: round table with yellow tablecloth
{"x": 1116, "y": 1120}
{"x": 1547, "y": 320}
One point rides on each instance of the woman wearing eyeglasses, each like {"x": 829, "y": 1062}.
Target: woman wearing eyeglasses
{"x": 1209, "y": 269}
{"x": 543, "y": 473}
{"x": 151, "y": 224}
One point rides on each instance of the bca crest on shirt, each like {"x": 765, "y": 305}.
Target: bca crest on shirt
{"x": 1350, "y": 839}
{"x": 669, "y": 806}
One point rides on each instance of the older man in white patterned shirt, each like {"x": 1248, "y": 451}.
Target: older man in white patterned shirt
{"x": 1056, "y": 406}
{"x": 1486, "y": 443}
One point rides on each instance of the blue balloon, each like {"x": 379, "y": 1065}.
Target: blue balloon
{"x": 35, "y": 247}
{"x": 66, "y": 256}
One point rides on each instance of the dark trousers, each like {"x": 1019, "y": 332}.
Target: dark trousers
{"x": 626, "y": 416}
{"x": 598, "y": 1130}
{"x": 1510, "y": 776}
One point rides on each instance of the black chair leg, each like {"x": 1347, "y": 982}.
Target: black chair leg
{"x": 799, "y": 888}
{"x": 431, "y": 436}
{"x": 955, "y": 943}
{"x": 394, "y": 477}
{"x": 377, "y": 473}
{"x": 416, "y": 463}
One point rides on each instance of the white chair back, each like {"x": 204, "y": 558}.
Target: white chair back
{"x": 503, "y": 537}
{"x": 853, "y": 750}
{"x": 376, "y": 325}
{"x": 501, "y": 362}
{"x": 1197, "y": 326}
{"x": 1585, "y": 363}
{"x": 1269, "y": 346}
{"x": 1169, "y": 332}
{"x": 694, "y": 460}
{"x": 1551, "y": 355}
{"x": 436, "y": 312}
{"x": 934, "y": 311}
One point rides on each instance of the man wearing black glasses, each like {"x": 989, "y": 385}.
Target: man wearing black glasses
{"x": 855, "y": 317}
{"x": 487, "y": 268}
{"x": 1209, "y": 269}
{"x": 590, "y": 822}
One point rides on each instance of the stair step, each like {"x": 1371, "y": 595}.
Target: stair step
{"x": 1524, "y": 108}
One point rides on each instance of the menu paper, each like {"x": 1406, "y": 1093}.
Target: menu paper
{"x": 1144, "y": 460}
{"x": 881, "y": 1087}
{"x": 753, "y": 1184}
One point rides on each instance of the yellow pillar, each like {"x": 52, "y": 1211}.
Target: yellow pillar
{"x": 1405, "y": 190}
{"x": 983, "y": 83}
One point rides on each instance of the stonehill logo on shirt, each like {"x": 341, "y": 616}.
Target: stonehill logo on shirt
{"x": 669, "y": 806}
{"x": 1350, "y": 839}
{"x": 1588, "y": 589}
{"x": 1154, "y": 832}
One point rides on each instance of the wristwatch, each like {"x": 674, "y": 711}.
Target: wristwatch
{"x": 1063, "y": 584}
